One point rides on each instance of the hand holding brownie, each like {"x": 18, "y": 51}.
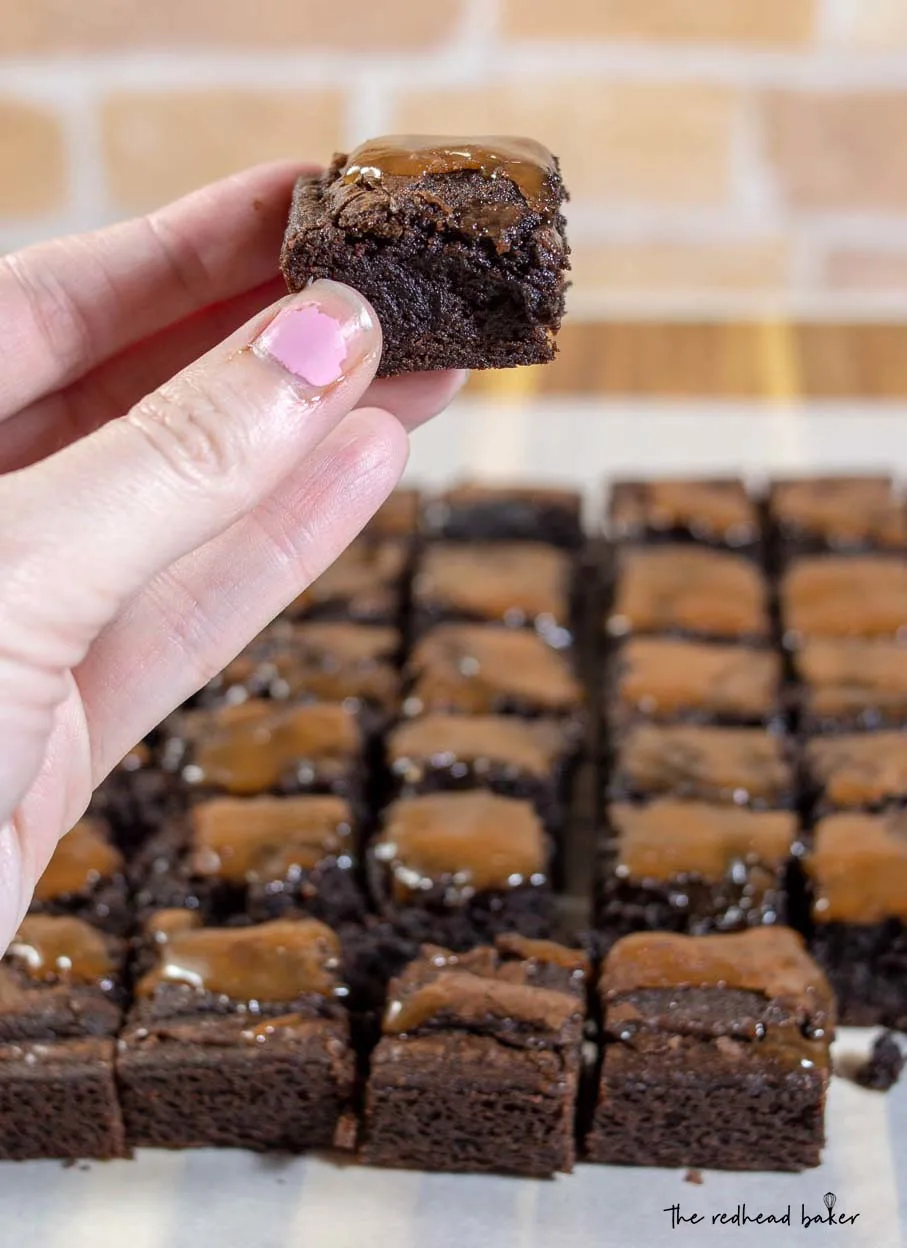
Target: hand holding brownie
{"x": 172, "y": 473}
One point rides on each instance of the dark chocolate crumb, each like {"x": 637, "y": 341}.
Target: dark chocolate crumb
{"x": 883, "y": 1068}
{"x": 694, "y": 1176}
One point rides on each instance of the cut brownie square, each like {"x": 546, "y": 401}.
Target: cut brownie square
{"x": 484, "y": 512}
{"x": 671, "y": 680}
{"x": 520, "y": 584}
{"x": 858, "y": 874}
{"x": 457, "y": 868}
{"x": 693, "y": 867}
{"x": 712, "y": 513}
{"x": 364, "y": 585}
{"x": 716, "y": 1052}
{"x": 471, "y": 669}
{"x": 61, "y": 995}
{"x": 690, "y": 591}
{"x": 237, "y": 1038}
{"x": 257, "y": 856}
{"x": 843, "y": 514}
{"x": 838, "y": 596}
{"x": 86, "y": 878}
{"x": 457, "y": 243}
{"x": 736, "y": 766}
{"x": 479, "y": 1063}
{"x": 851, "y": 685}
{"x": 862, "y": 771}
{"x": 398, "y": 516}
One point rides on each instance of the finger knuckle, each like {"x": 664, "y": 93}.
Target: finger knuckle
{"x": 190, "y": 434}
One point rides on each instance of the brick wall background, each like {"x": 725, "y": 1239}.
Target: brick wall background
{"x": 724, "y": 155}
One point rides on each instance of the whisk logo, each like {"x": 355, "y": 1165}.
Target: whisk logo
{"x": 746, "y": 1215}
{"x": 833, "y": 1215}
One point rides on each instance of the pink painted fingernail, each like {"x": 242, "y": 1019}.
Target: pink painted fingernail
{"x": 321, "y": 336}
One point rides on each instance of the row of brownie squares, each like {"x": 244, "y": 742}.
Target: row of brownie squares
{"x": 239, "y": 1037}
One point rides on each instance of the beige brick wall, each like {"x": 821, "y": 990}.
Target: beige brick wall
{"x": 724, "y": 155}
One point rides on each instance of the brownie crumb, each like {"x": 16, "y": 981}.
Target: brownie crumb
{"x": 694, "y": 1176}
{"x": 883, "y": 1068}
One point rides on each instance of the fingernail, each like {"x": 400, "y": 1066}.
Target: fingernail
{"x": 321, "y": 336}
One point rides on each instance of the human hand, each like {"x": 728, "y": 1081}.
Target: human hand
{"x": 172, "y": 474}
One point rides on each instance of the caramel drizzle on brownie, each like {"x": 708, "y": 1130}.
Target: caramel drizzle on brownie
{"x": 509, "y": 581}
{"x": 61, "y": 948}
{"x": 663, "y": 676}
{"x": 442, "y": 740}
{"x": 82, "y": 858}
{"x": 859, "y": 868}
{"x": 241, "y": 840}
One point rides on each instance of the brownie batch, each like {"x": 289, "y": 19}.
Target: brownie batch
{"x": 342, "y": 897}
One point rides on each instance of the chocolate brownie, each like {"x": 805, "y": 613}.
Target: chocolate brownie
{"x": 457, "y": 243}
{"x": 711, "y": 513}
{"x": 61, "y": 998}
{"x": 472, "y": 669}
{"x": 731, "y": 766}
{"x": 135, "y": 796}
{"x": 481, "y": 512}
{"x": 671, "y": 680}
{"x": 85, "y": 878}
{"x": 256, "y": 856}
{"x": 862, "y": 771}
{"x": 691, "y": 591}
{"x": 851, "y": 685}
{"x": 885, "y": 1064}
{"x": 857, "y": 870}
{"x": 837, "y": 596}
{"x": 716, "y": 1052}
{"x": 520, "y": 584}
{"x": 479, "y": 1063}
{"x": 693, "y": 867}
{"x": 237, "y": 1038}
{"x": 457, "y": 868}
{"x": 844, "y": 514}
{"x": 364, "y": 585}
{"x": 398, "y": 516}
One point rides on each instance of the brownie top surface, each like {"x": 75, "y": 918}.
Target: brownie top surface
{"x": 858, "y": 769}
{"x": 59, "y": 949}
{"x": 688, "y": 589}
{"x": 667, "y": 839}
{"x": 471, "y": 841}
{"x": 362, "y": 574}
{"x": 440, "y": 740}
{"x": 845, "y": 596}
{"x": 478, "y": 493}
{"x": 398, "y": 516}
{"x": 840, "y": 510}
{"x": 663, "y": 677}
{"x": 718, "y": 511}
{"x": 525, "y": 993}
{"x": 858, "y": 868}
{"x": 842, "y": 675}
{"x": 244, "y": 840}
{"x": 511, "y": 581}
{"x": 83, "y": 858}
{"x": 741, "y": 763}
{"x": 476, "y": 668}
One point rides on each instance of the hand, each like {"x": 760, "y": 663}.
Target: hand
{"x": 176, "y": 464}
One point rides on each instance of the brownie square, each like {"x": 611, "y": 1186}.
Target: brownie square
{"x": 861, "y": 771}
{"x": 735, "y": 766}
{"x": 837, "y": 514}
{"x": 693, "y": 867}
{"x": 716, "y": 1052}
{"x": 857, "y": 871}
{"x": 716, "y": 513}
{"x": 520, "y": 584}
{"x": 60, "y": 1007}
{"x": 672, "y": 680}
{"x": 457, "y": 243}
{"x": 690, "y": 591}
{"x": 483, "y": 512}
{"x": 839, "y": 596}
{"x": 365, "y": 585}
{"x": 851, "y": 685}
{"x": 398, "y": 516}
{"x": 457, "y": 868}
{"x": 479, "y": 1062}
{"x": 237, "y": 1038}
{"x": 260, "y": 857}
{"x": 470, "y": 669}
{"x": 86, "y": 878}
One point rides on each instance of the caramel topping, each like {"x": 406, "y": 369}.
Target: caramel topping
{"x": 480, "y": 740}
{"x": 853, "y": 677}
{"x": 736, "y": 764}
{"x": 668, "y": 839}
{"x": 273, "y": 962}
{"x": 842, "y": 511}
{"x": 711, "y": 510}
{"x": 398, "y": 517}
{"x": 512, "y": 582}
{"x": 662, "y": 677}
{"x": 242, "y": 840}
{"x": 362, "y": 576}
{"x": 456, "y": 996}
{"x": 471, "y": 841}
{"x": 82, "y": 858}
{"x": 859, "y": 868}
{"x": 470, "y": 492}
{"x": 861, "y": 769}
{"x": 52, "y": 948}
{"x": 840, "y": 596}
{"x": 163, "y": 925}
{"x": 689, "y": 589}
{"x": 549, "y": 951}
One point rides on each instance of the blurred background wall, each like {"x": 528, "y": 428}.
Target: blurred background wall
{"x": 724, "y": 156}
